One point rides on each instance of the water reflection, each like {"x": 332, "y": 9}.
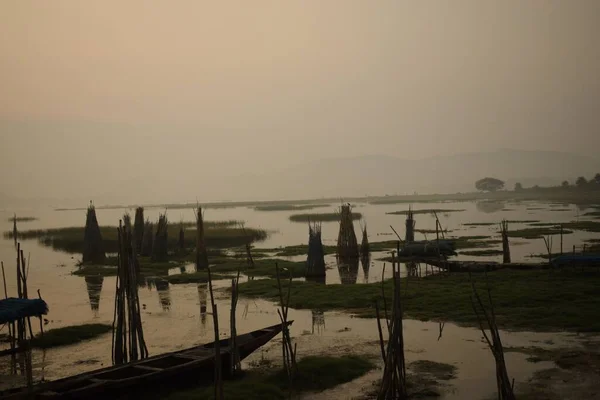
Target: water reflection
{"x": 164, "y": 294}
{"x": 318, "y": 321}
{"x": 365, "y": 261}
{"x": 490, "y": 206}
{"x": 348, "y": 269}
{"x": 202, "y": 299}
{"x": 94, "y": 287}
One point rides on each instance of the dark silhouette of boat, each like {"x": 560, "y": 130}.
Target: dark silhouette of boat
{"x": 170, "y": 370}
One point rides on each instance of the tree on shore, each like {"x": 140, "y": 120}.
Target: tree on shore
{"x": 489, "y": 184}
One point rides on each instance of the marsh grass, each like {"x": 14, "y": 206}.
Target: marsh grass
{"x": 219, "y": 234}
{"x": 321, "y": 217}
{"x": 524, "y": 299}
{"x": 22, "y": 219}
{"x": 315, "y": 374}
{"x": 537, "y": 233}
{"x": 69, "y": 335}
{"x": 440, "y": 371}
{"x": 426, "y": 211}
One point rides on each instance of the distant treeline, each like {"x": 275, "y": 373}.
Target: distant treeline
{"x": 580, "y": 184}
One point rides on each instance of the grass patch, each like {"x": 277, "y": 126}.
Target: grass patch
{"x": 536, "y": 233}
{"x": 289, "y": 207}
{"x": 482, "y": 253}
{"x": 524, "y": 299}
{"x": 22, "y": 219}
{"x": 433, "y": 231}
{"x": 425, "y": 211}
{"x": 69, "y": 335}
{"x": 315, "y": 374}
{"x": 321, "y": 217}
{"x": 438, "y": 370}
{"x": 218, "y": 234}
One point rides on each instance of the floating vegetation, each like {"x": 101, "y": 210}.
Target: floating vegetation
{"x": 524, "y": 299}
{"x": 69, "y": 335}
{"x": 510, "y": 221}
{"x": 537, "y": 233}
{"x": 482, "y": 253}
{"x": 21, "y": 219}
{"x": 321, "y": 217}
{"x": 425, "y": 211}
{"x": 440, "y": 371}
{"x": 218, "y": 234}
{"x": 289, "y": 207}
{"x": 313, "y": 374}
{"x": 560, "y": 209}
{"x": 431, "y": 231}
{"x": 592, "y": 214}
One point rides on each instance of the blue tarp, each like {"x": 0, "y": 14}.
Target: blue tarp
{"x": 12, "y": 309}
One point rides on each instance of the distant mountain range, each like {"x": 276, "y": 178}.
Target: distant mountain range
{"x": 348, "y": 176}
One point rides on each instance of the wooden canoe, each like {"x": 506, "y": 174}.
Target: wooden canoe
{"x": 179, "y": 368}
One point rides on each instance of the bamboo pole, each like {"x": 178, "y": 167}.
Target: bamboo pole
{"x": 235, "y": 357}
{"x": 11, "y": 329}
{"x": 218, "y": 368}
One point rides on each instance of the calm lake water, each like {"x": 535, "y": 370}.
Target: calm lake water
{"x": 172, "y": 313}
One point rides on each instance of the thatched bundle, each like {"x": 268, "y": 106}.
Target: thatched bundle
{"x": 201, "y": 253}
{"x": 93, "y": 247}
{"x": 347, "y": 245}
{"x": 161, "y": 240}
{"x": 138, "y": 229}
{"x": 147, "y": 239}
{"x": 315, "y": 262}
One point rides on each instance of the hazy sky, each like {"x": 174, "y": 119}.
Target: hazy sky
{"x": 93, "y": 93}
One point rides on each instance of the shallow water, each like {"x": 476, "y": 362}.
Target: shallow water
{"x": 172, "y": 315}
